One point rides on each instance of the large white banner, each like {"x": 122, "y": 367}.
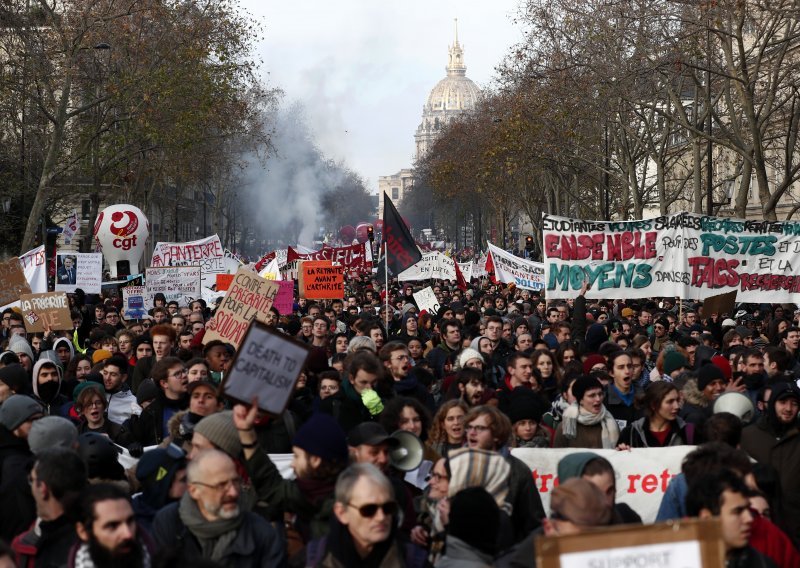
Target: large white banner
{"x": 33, "y": 264}
{"x": 685, "y": 255}
{"x": 642, "y": 473}
{"x": 207, "y": 253}
{"x": 511, "y": 269}
{"x": 434, "y": 265}
{"x": 79, "y": 270}
{"x": 466, "y": 269}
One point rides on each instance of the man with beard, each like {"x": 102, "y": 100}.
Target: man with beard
{"x": 209, "y": 521}
{"x": 397, "y": 364}
{"x": 107, "y": 531}
{"x": 471, "y": 386}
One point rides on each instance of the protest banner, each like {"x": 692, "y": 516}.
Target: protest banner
{"x": 466, "y": 270}
{"x": 426, "y": 300}
{"x": 71, "y": 226}
{"x": 206, "y": 253}
{"x": 642, "y": 473}
{"x": 433, "y": 266}
{"x": 355, "y": 259}
{"x": 224, "y": 282}
{"x": 688, "y": 543}
{"x": 33, "y": 264}
{"x": 320, "y": 280}
{"x": 685, "y": 255}
{"x": 178, "y": 283}
{"x": 266, "y": 365}
{"x": 284, "y": 300}
{"x": 12, "y": 281}
{"x": 511, "y": 269}
{"x": 270, "y": 271}
{"x": 40, "y": 311}
{"x": 79, "y": 270}
{"x": 249, "y": 297}
{"x": 133, "y": 302}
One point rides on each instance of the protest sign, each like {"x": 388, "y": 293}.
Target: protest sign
{"x": 33, "y": 264}
{"x": 267, "y": 365}
{"x": 466, "y": 270}
{"x": 133, "y": 302}
{"x": 355, "y": 259}
{"x": 206, "y": 253}
{"x": 79, "y": 270}
{"x": 433, "y": 265}
{"x": 270, "y": 271}
{"x": 50, "y": 309}
{"x": 689, "y": 543}
{"x": 12, "y": 281}
{"x": 284, "y": 300}
{"x": 720, "y": 304}
{"x": 642, "y": 473}
{"x": 511, "y": 269}
{"x": 71, "y": 226}
{"x": 686, "y": 255}
{"x": 320, "y": 280}
{"x": 249, "y": 297}
{"x": 178, "y": 283}
{"x": 224, "y": 282}
{"x": 426, "y": 300}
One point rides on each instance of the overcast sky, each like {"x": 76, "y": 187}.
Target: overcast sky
{"x": 364, "y": 69}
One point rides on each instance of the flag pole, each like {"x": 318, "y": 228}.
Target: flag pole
{"x": 386, "y": 279}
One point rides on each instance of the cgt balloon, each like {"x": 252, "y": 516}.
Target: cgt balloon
{"x": 121, "y": 232}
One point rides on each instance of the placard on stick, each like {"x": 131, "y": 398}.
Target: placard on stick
{"x": 13, "y": 283}
{"x": 266, "y": 365}
{"x": 51, "y": 308}
{"x": 676, "y": 544}
{"x": 320, "y": 280}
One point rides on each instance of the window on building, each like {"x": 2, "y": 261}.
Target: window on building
{"x": 395, "y": 193}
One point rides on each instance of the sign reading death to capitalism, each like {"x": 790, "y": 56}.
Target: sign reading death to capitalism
{"x": 685, "y": 255}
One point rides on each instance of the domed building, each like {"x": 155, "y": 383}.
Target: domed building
{"x": 451, "y": 97}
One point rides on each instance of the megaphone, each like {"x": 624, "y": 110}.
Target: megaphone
{"x": 737, "y": 404}
{"x": 407, "y": 456}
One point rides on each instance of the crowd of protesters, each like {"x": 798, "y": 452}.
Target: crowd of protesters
{"x": 494, "y": 368}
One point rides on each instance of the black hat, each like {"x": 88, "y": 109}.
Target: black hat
{"x": 371, "y": 434}
{"x": 525, "y": 405}
{"x": 101, "y": 456}
{"x": 474, "y": 518}
{"x": 156, "y": 470}
{"x": 583, "y": 384}
{"x": 707, "y": 374}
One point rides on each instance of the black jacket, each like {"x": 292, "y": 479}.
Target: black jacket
{"x": 16, "y": 461}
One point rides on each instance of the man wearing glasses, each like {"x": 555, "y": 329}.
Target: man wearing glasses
{"x": 211, "y": 523}
{"x": 152, "y": 425}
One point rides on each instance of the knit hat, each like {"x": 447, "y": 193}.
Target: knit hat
{"x": 17, "y": 409}
{"x": 85, "y": 385}
{"x": 580, "y": 502}
{"x": 572, "y": 465}
{"x": 479, "y": 468}
{"x": 322, "y": 436}
{"x": 674, "y": 361}
{"x": 147, "y": 391}
{"x": 593, "y": 360}
{"x": 707, "y": 374}
{"x": 595, "y": 336}
{"x": 728, "y": 323}
{"x": 52, "y": 432}
{"x": 627, "y": 313}
{"x": 156, "y": 470}
{"x": 101, "y": 355}
{"x": 583, "y": 384}
{"x": 525, "y": 405}
{"x": 221, "y": 432}
{"x": 19, "y": 344}
{"x": 475, "y": 518}
{"x": 664, "y": 322}
{"x": 101, "y": 456}
{"x": 15, "y": 377}
{"x": 724, "y": 365}
{"x": 468, "y": 354}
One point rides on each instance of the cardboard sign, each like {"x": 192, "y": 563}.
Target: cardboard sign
{"x": 206, "y": 253}
{"x": 267, "y": 365}
{"x": 224, "y": 282}
{"x": 678, "y": 544}
{"x": 133, "y": 302}
{"x": 79, "y": 270}
{"x": 284, "y": 301}
{"x": 320, "y": 280}
{"x": 12, "y": 281}
{"x": 178, "y": 283}
{"x": 249, "y": 297}
{"x": 721, "y": 304}
{"x": 426, "y": 300}
{"x": 642, "y": 473}
{"x": 50, "y": 308}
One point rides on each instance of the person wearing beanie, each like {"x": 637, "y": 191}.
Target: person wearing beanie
{"x": 525, "y": 414}
{"x": 587, "y": 423}
{"x": 700, "y": 394}
{"x": 576, "y": 505}
{"x": 594, "y": 362}
{"x": 216, "y": 431}
{"x": 774, "y": 439}
{"x": 320, "y": 453}
{"x": 468, "y": 358}
{"x": 52, "y": 432}
{"x": 22, "y": 348}
{"x": 472, "y": 532}
{"x": 161, "y": 473}
{"x": 102, "y": 458}
{"x": 674, "y": 364}
{"x": 13, "y": 380}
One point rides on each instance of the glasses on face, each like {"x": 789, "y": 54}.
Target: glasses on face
{"x": 329, "y": 388}
{"x": 368, "y": 511}
{"x": 178, "y": 374}
{"x": 94, "y": 404}
{"x": 236, "y": 483}
{"x": 477, "y": 428}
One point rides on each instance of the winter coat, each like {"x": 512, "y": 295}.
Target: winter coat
{"x": 257, "y": 544}
{"x": 48, "y": 550}
{"x": 459, "y": 554}
{"x": 587, "y": 437}
{"x": 637, "y": 434}
{"x": 696, "y": 409}
{"x": 623, "y": 413}
{"x": 15, "y": 492}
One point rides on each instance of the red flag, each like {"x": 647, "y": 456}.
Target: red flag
{"x": 460, "y": 280}
{"x": 400, "y": 250}
{"x": 490, "y": 268}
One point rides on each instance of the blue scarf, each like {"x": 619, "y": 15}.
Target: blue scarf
{"x": 626, "y": 398}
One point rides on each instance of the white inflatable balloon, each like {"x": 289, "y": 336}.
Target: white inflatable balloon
{"x": 121, "y": 231}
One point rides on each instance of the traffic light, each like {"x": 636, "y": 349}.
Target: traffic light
{"x": 529, "y": 243}
{"x": 371, "y": 234}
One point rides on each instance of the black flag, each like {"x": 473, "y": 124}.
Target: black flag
{"x": 400, "y": 250}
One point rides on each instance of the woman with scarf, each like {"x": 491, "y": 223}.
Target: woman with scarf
{"x": 586, "y": 423}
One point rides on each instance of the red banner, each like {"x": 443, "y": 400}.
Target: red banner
{"x": 352, "y": 258}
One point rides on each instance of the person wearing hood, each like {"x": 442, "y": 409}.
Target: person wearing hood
{"x": 397, "y": 364}
{"x": 65, "y": 351}
{"x": 161, "y": 472}
{"x": 47, "y": 386}
{"x": 775, "y": 439}
{"x": 660, "y": 427}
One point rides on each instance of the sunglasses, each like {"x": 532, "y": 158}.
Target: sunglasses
{"x": 368, "y": 511}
